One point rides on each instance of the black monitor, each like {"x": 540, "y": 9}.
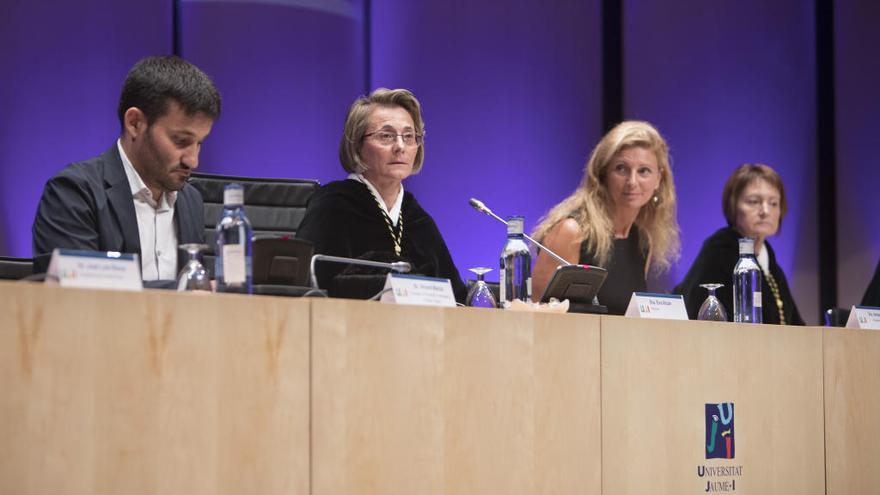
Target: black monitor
{"x": 579, "y": 284}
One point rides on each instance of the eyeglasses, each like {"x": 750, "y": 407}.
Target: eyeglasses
{"x": 757, "y": 202}
{"x": 388, "y": 138}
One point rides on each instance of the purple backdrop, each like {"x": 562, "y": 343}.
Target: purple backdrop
{"x": 858, "y": 169}
{"x": 287, "y": 71}
{"x": 64, "y": 63}
{"x": 511, "y": 97}
{"x": 728, "y": 83}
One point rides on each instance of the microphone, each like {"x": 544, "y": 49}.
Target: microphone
{"x": 482, "y": 208}
{"x": 397, "y": 266}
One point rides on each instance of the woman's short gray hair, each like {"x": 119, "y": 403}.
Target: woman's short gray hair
{"x": 356, "y": 126}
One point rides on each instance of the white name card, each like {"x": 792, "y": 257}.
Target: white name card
{"x": 94, "y": 270}
{"x": 415, "y": 289}
{"x": 660, "y": 306}
{"x": 866, "y": 317}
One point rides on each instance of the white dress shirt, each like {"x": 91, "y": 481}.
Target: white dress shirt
{"x": 394, "y": 213}
{"x": 156, "y": 228}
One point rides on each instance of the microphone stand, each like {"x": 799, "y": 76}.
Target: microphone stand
{"x": 482, "y": 208}
{"x": 397, "y": 266}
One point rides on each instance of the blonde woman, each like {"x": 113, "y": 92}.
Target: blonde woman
{"x": 621, "y": 217}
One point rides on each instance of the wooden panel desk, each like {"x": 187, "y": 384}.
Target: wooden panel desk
{"x": 852, "y": 411}
{"x": 658, "y": 377}
{"x": 159, "y": 392}
{"x": 152, "y": 393}
{"x": 425, "y": 400}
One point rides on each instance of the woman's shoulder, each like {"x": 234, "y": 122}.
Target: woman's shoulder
{"x": 567, "y": 229}
{"x": 341, "y": 189}
{"x": 413, "y": 209}
{"x": 719, "y": 249}
{"x": 725, "y": 237}
{"x": 346, "y": 186}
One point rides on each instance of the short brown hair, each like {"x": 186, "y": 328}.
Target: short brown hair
{"x": 744, "y": 175}
{"x": 356, "y": 126}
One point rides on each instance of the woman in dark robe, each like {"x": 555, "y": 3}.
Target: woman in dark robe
{"x": 369, "y": 215}
{"x": 754, "y": 205}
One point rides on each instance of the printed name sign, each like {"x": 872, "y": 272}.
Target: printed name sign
{"x": 661, "y": 306}
{"x": 866, "y": 317}
{"x": 94, "y": 270}
{"x": 415, "y": 289}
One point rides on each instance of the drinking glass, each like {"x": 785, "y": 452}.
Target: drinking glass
{"x": 480, "y": 295}
{"x": 193, "y": 276}
{"x": 712, "y": 309}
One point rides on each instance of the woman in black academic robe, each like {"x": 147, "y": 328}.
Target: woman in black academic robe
{"x": 754, "y": 205}
{"x": 369, "y": 215}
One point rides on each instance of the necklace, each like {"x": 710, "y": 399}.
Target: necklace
{"x": 396, "y": 238}
{"x": 774, "y": 288}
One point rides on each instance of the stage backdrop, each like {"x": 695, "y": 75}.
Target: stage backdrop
{"x": 858, "y": 168}
{"x": 63, "y": 67}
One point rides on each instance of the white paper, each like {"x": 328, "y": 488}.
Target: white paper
{"x": 865, "y": 317}
{"x": 414, "y": 289}
{"x": 659, "y": 306}
{"x": 94, "y": 270}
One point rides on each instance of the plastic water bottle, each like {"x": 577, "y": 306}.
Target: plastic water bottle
{"x": 747, "y": 285}
{"x": 516, "y": 264}
{"x": 233, "y": 269}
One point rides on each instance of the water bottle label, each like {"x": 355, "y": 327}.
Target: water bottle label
{"x": 233, "y": 264}
{"x": 756, "y": 298}
{"x": 529, "y": 287}
{"x": 233, "y": 196}
{"x": 501, "y": 286}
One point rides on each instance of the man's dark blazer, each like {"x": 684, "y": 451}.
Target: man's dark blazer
{"x": 88, "y": 205}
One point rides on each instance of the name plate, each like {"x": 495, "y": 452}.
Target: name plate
{"x": 866, "y": 317}
{"x": 415, "y": 289}
{"x": 94, "y": 270}
{"x": 660, "y": 306}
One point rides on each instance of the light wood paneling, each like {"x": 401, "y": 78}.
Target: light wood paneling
{"x": 428, "y": 400}
{"x": 155, "y": 392}
{"x": 657, "y": 376}
{"x": 852, "y": 411}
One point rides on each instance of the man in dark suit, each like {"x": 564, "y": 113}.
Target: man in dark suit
{"x": 134, "y": 198}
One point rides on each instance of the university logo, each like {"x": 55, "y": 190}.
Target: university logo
{"x": 720, "y": 442}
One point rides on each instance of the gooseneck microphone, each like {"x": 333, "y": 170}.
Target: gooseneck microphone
{"x": 482, "y": 208}
{"x": 397, "y": 266}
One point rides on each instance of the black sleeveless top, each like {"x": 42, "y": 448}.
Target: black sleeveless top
{"x": 626, "y": 272}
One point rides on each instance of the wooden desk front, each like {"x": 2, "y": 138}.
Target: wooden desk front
{"x": 159, "y": 392}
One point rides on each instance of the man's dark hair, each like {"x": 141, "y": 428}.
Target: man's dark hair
{"x": 155, "y": 80}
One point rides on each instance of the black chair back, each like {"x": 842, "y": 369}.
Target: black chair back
{"x": 15, "y": 268}
{"x": 275, "y": 207}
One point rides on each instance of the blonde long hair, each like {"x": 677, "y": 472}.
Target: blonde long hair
{"x": 590, "y": 206}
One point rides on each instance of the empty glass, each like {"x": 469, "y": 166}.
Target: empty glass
{"x": 712, "y": 309}
{"x": 480, "y": 295}
{"x": 193, "y": 276}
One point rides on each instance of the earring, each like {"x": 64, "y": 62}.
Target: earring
{"x": 656, "y": 199}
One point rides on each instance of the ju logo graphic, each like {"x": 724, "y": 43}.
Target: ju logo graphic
{"x": 719, "y": 431}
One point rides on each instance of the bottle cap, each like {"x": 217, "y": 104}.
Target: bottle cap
{"x": 233, "y": 195}
{"x": 515, "y": 225}
{"x": 746, "y": 246}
